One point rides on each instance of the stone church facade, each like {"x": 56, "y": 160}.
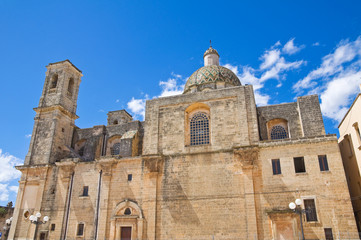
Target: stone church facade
{"x": 206, "y": 164}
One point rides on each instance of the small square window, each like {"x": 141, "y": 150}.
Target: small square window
{"x": 322, "y": 160}
{"x": 52, "y": 227}
{"x": 299, "y": 164}
{"x": 310, "y": 207}
{"x": 85, "y": 191}
{"x": 276, "y": 166}
{"x": 130, "y": 177}
{"x": 80, "y": 231}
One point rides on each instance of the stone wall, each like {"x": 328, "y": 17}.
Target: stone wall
{"x": 304, "y": 117}
{"x": 232, "y": 121}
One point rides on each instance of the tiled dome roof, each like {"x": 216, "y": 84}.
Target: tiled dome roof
{"x": 211, "y": 74}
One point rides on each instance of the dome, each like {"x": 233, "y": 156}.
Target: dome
{"x": 210, "y": 50}
{"x": 209, "y": 76}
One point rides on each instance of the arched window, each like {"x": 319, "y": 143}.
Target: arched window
{"x": 199, "y": 129}
{"x": 115, "y": 149}
{"x": 113, "y": 146}
{"x": 127, "y": 211}
{"x": 277, "y": 129}
{"x": 54, "y": 81}
{"x": 70, "y": 87}
{"x": 278, "y": 132}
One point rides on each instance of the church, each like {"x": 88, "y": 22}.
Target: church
{"x": 208, "y": 164}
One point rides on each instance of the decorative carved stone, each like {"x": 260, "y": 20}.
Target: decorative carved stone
{"x": 153, "y": 163}
{"x": 247, "y": 155}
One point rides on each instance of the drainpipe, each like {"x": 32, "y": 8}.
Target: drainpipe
{"x": 98, "y": 205}
{"x": 68, "y": 206}
{"x": 104, "y": 145}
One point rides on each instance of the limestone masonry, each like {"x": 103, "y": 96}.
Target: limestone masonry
{"x": 205, "y": 164}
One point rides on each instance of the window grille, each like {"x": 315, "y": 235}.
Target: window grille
{"x": 199, "y": 129}
{"x": 278, "y": 132}
{"x": 115, "y": 149}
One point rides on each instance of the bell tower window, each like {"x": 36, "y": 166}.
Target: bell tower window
{"x": 70, "y": 87}
{"x": 54, "y": 81}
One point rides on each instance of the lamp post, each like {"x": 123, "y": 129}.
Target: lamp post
{"x": 7, "y": 227}
{"x": 296, "y": 207}
{"x": 35, "y": 220}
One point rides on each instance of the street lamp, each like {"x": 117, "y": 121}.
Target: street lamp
{"x": 35, "y": 220}
{"x": 296, "y": 207}
{"x": 7, "y": 227}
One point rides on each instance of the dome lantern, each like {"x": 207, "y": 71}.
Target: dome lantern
{"x": 211, "y": 76}
{"x": 211, "y": 56}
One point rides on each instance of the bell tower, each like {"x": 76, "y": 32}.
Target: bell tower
{"x": 55, "y": 115}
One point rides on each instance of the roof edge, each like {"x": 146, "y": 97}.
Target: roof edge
{"x": 66, "y": 60}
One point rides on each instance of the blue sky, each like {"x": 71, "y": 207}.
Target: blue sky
{"x": 130, "y": 51}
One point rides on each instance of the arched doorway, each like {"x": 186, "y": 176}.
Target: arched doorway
{"x": 127, "y": 222}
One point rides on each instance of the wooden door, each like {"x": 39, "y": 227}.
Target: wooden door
{"x": 126, "y": 233}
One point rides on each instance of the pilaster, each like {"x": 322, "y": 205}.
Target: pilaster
{"x": 247, "y": 157}
{"x": 153, "y": 166}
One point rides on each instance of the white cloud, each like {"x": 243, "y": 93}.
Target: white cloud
{"x": 269, "y": 58}
{"x": 7, "y": 163}
{"x": 280, "y": 67}
{"x": 4, "y": 192}
{"x": 336, "y": 79}
{"x": 316, "y": 44}
{"x": 278, "y": 43}
{"x": 176, "y": 75}
{"x": 173, "y": 86}
{"x": 331, "y": 64}
{"x": 116, "y": 101}
{"x": 28, "y": 135}
{"x": 14, "y": 189}
{"x": 8, "y": 173}
{"x": 137, "y": 106}
{"x": 273, "y": 66}
{"x": 248, "y": 77}
{"x": 290, "y": 48}
{"x": 261, "y": 99}
{"x": 337, "y": 96}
